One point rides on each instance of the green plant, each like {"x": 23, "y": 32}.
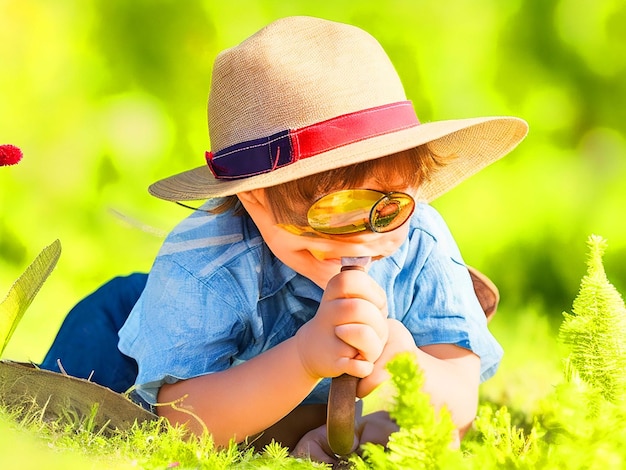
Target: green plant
{"x": 595, "y": 331}
{"x": 23, "y": 291}
{"x": 581, "y": 424}
{"x": 425, "y": 436}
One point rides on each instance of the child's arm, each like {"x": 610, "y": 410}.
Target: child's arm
{"x": 347, "y": 335}
{"x": 452, "y": 373}
{"x": 243, "y": 400}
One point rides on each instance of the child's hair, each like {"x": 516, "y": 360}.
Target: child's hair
{"x": 289, "y": 201}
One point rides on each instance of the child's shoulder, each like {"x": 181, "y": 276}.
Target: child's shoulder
{"x": 203, "y": 236}
{"x": 205, "y": 225}
{"x": 429, "y": 229}
{"x": 427, "y": 219}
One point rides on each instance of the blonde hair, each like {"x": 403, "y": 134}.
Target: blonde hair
{"x": 290, "y": 201}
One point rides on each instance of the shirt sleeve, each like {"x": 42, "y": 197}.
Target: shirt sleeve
{"x": 182, "y": 326}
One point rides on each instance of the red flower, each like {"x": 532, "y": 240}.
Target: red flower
{"x": 9, "y": 155}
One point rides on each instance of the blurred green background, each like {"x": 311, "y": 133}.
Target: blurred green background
{"x": 106, "y": 96}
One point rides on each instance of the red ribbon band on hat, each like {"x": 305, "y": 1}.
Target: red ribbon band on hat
{"x": 258, "y": 156}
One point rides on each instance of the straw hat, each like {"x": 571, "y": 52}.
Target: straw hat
{"x": 306, "y": 95}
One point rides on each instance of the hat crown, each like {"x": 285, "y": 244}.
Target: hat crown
{"x": 293, "y": 73}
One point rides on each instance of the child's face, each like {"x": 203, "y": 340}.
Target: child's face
{"x": 319, "y": 259}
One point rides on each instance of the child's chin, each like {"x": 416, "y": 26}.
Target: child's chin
{"x": 323, "y": 273}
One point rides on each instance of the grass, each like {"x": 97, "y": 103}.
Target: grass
{"x": 526, "y": 376}
{"x": 544, "y": 409}
{"x": 29, "y": 442}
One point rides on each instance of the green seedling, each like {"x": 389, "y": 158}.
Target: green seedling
{"x": 24, "y": 290}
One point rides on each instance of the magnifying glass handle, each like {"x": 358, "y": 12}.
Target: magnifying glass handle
{"x": 341, "y": 414}
{"x": 342, "y": 398}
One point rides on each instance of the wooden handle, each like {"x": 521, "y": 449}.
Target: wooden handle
{"x": 341, "y": 406}
{"x": 341, "y": 414}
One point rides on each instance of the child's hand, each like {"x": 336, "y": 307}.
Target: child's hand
{"x": 349, "y": 330}
{"x": 399, "y": 340}
{"x": 314, "y": 445}
{"x": 374, "y": 427}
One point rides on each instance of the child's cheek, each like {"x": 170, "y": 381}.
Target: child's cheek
{"x": 317, "y": 254}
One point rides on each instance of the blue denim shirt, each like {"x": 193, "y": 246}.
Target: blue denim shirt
{"x": 217, "y": 296}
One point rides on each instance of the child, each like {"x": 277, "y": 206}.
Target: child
{"x": 316, "y": 155}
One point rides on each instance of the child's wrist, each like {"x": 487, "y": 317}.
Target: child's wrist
{"x": 302, "y": 350}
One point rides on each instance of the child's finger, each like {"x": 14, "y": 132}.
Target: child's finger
{"x": 356, "y": 285}
{"x": 356, "y": 367}
{"x": 363, "y": 338}
{"x": 359, "y": 311}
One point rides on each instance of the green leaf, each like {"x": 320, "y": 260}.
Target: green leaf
{"x": 23, "y": 291}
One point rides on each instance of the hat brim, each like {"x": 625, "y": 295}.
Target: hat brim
{"x": 474, "y": 142}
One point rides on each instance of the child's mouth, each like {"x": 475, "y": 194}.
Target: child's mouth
{"x": 321, "y": 256}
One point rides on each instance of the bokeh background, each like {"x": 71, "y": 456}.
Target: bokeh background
{"x": 106, "y": 96}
